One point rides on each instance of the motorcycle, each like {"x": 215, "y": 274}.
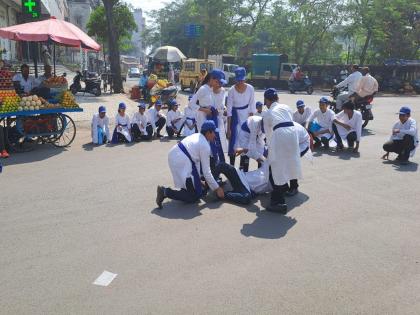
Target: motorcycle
{"x": 302, "y": 85}
{"x": 165, "y": 95}
{"x": 363, "y": 105}
{"x": 92, "y": 83}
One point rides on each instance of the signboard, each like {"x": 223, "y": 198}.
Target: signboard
{"x": 31, "y": 8}
{"x": 193, "y": 30}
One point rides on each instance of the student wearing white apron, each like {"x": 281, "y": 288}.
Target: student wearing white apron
{"x": 174, "y": 120}
{"x": 185, "y": 161}
{"x": 283, "y": 149}
{"x": 251, "y": 139}
{"x": 320, "y": 124}
{"x": 190, "y": 116}
{"x": 140, "y": 125}
{"x": 240, "y": 105}
{"x": 122, "y": 131}
{"x": 100, "y": 127}
{"x": 202, "y": 101}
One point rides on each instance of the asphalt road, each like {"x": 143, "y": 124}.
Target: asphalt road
{"x": 349, "y": 244}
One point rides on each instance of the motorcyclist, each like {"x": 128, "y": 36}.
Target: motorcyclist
{"x": 365, "y": 86}
{"x": 350, "y": 82}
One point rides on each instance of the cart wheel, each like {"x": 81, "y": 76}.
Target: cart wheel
{"x": 67, "y": 131}
{"x": 16, "y": 142}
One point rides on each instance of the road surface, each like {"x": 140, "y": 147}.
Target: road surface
{"x": 349, "y": 244}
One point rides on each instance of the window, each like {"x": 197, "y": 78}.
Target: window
{"x": 287, "y": 68}
{"x": 207, "y": 66}
{"x": 225, "y": 68}
{"x": 189, "y": 66}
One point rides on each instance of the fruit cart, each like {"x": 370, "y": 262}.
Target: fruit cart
{"x": 25, "y": 129}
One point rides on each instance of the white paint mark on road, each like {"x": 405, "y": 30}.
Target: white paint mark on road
{"x": 105, "y": 278}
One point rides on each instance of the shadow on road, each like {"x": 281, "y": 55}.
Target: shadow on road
{"x": 367, "y": 132}
{"x": 346, "y": 154}
{"x": 410, "y": 167}
{"x": 268, "y": 225}
{"x": 40, "y": 153}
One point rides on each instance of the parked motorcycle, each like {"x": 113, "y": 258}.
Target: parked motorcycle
{"x": 301, "y": 85}
{"x": 416, "y": 85}
{"x": 92, "y": 83}
{"x": 364, "y": 106}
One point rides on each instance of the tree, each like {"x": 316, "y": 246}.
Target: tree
{"x": 113, "y": 23}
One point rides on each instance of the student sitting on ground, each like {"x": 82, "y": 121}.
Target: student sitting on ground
{"x": 156, "y": 118}
{"x": 100, "y": 127}
{"x": 174, "y": 120}
{"x": 140, "y": 126}
{"x": 122, "y": 131}
{"x": 190, "y": 120}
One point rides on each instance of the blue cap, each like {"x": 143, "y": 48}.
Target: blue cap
{"x": 405, "y": 110}
{"x": 324, "y": 100}
{"x": 141, "y": 105}
{"x": 122, "y": 106}
{"x": 208, "y": 125}
{"x": 300, "y": 103}
{"x": 270, "y": 94}
{"x": 218, "y": 75}
{"x": 240, "y": 74}
{"x": 190, "y": 97}
{"x": 258, "y": 104}
{"x": 173, "y": 102}
{"x": 158, "y": 103}
{"x": 102, "y": 109}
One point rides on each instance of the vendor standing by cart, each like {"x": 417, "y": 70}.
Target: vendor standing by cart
{"x": 23, "y": 81}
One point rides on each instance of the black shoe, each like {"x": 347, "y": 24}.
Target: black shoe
{"x": 292, "y": 192}
{"x": 317, "y": 144}
{"x": 160, "y": 196}
{"x": 279, "y": 208}
{"x": 339, "y": 147}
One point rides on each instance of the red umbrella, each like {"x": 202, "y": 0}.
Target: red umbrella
{"x": 58, "y": 31}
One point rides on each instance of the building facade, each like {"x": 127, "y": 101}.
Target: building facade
{"x": 137, "y": 38}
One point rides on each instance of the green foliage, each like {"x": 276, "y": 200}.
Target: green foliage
{"x": 124, "y": 22}
{"x": 309, "y": 31}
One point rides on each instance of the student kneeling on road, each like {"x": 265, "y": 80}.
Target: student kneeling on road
{"x": 185, "y": 160}
{"x": 348, "y": 125}
{"x": 100, "y": 127}
{"x": 140, "y": 126}
{"x": 320, "y": 124}
{"x": 404, "y": 139}
{"x": 174, "y": 120}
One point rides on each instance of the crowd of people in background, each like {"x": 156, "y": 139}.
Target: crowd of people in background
{"x": 217, "y": 124}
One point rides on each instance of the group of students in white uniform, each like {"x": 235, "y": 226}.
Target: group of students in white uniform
{"x": 214, "y": 125}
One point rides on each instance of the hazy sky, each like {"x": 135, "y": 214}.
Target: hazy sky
{"x": 147, "y": 5}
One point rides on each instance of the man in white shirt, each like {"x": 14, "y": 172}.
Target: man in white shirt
{"x": 156, "y": 119}
{"x": 185, "y": 161}
{"x": 100, "y": 127}
{"x": 320, "y": 124}
{"x": 404, "y": 139}
{"x": 23, "y": 80}
{"x": 350, "y": 82}
{"x": 348, "y": 125}
{"x": 140, "y": 126}
{"x": 366, "y": 85}
{"x": 302, "y": 114}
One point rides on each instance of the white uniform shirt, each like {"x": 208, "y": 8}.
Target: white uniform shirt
{"x": 254, "y": 140}
{"x": 200, "y": 152}
{"x": 190, "y": 116}
{"x": 303, "y": 135}
{"x": 122, "y": 120}
{"x": 325, "y": 120}
{"x": 302, "y": 118}
{"x": 236, "y": 99}
{"x": 355, "y": 123}
{"x": 256, "y": 181}
{"x": 366, "y": 85}
{"x": 171, "y": 116}
{"x": 141, "y": 120}
{"x": 407, "y": 128}
{"x": 219, "y": 103}
{"x": 28, "y": 84}
{"x": 205, "y": 99}
{"x": 102, "y": 123}
{"x": 153, "y": 116}
{"x": 273, "y": 117}
{"x": 350, "y": 82}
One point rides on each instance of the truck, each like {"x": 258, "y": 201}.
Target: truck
{"x": 271, "y": 70}
{"x": 126, "y": 63}
{"x": 226, "y": 63}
